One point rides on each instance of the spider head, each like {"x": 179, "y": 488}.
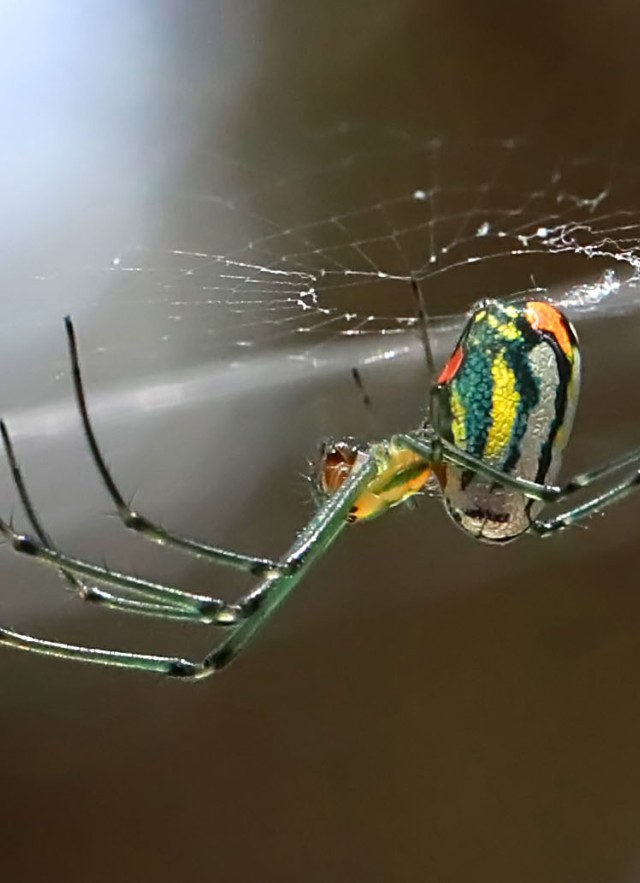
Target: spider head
{"x": 335, "y": 462}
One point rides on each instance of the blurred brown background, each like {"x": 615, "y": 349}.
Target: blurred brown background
{"x": 424, "y": 708}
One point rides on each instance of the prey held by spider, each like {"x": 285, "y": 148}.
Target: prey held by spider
{"x": 498, "y": 419}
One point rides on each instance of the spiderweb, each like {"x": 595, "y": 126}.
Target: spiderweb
{"x": 304, "y": 250}
{"x": 298, "y": 246}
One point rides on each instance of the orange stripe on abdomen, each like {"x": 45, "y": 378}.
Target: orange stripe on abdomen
{"x": 544, "y": 317}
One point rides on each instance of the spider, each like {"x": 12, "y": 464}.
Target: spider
{"x": 498, "y": 420}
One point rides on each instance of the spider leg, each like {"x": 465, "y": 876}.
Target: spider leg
{"x": 91, "y": 594}
{"x": 141, "y": 662}
{"x": 150, "y": 599}
{"x": 542, "y": 492}
{"x": 595, "y": 504}
{"x": 584, "y": 479}
{"x": 207, "y": 608}
{"x": 310, "y": 543}
{"x": 450, "y": 453}
{"x": 134, "y": 520}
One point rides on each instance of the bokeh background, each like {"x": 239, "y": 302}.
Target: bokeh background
{"x": 423, "y": 708}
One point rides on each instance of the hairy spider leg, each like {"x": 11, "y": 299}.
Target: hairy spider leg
{"x": 92, "y": 593}
{"x": 310, "y": 543}
{"x": 596, "y": 504}
{"x": 157, "y": 600}
{"x": 134, "y": 520}
{"x": 447, "y": 452}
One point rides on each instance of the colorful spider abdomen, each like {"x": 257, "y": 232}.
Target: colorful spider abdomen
{"x": 507, "y": 397}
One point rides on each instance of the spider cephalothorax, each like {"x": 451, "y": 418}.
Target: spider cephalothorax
{"x": 401, "y": 474}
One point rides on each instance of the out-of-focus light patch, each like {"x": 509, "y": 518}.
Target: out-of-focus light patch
{"x": 159, "y": 396}
{"x": 78, "y": 82}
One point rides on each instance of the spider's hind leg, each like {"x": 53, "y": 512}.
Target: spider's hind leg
{"x": 545, "y": 528}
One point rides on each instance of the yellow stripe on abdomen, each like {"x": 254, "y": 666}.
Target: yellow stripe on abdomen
{"x": 458, "y": 420}
{"x": 505, "y": 402}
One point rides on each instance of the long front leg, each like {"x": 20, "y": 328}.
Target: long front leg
{"x": 309, "y": 544}
{"x": 90, "y": 593}
{"x": 149, "y": 599}
{"x": 134, "y": 520}
{"x": 201, "y": 606}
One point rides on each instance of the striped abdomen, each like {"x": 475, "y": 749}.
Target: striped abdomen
{"x": 507, "y": 396}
